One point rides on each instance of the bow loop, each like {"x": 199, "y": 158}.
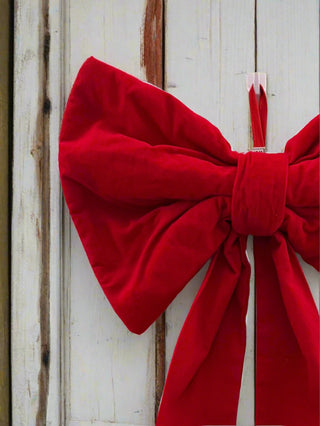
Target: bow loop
{"x": 259, "y": 193}
{"x": 301, "y": 222}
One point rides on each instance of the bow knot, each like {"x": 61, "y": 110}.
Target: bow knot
{"x": 259, "y": 193}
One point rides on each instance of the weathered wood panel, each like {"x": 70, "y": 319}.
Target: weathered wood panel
{"x": 35, "y": 218}
{"x": 5, "y": 133}
{"x": 73, "y": 361}
{"x": 109, "y": 372}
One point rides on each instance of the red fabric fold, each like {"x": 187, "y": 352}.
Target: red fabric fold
{"x": 206, "y": 385}
{"x": 150, "y": 186}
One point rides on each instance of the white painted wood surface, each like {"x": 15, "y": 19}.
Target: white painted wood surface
{"x": 26, "y": 218}
{"x": 99, "y": 373}
{"x": 110, "y": 371}
{"x": 27, "y": 226}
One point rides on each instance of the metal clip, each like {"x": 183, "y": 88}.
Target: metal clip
{"x": 258, "y": 149}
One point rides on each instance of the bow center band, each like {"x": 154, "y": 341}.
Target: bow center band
{"x": 259, "y": 193}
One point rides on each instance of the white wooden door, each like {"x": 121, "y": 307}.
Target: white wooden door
{"x": 73, "y": 361}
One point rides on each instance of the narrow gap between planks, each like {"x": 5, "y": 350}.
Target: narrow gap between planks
{"x": 153, "y": 61}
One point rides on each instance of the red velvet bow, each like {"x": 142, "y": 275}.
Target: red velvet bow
{"x": 154, "y": 191}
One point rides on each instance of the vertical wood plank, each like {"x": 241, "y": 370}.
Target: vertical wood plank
{"x": 26, "y": 218}
{"x": 288, "y": 51}
{"x": 5, "y": 131}
{"x": 210, "y": 46}
{"x": 109, "y": 373}
{"x": 36, "y": 216}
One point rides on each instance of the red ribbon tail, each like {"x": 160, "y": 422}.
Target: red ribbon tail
{"x": 287, "y": 372}
{"x": 204, "y": 378}
{"x": 263, "y": 112}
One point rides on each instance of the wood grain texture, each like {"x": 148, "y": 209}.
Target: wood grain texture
{"x": 41, "y": 153}
{"x": 109, "y": 373}
{"x": 288, "y": 51}
{"x": 26, "y": 224}
{"x": 27, "y": 216}
{"x": 5, "y": 139}
{"x": 160, "y": 360}
{"x": 36, "y": 217}
{"x": 152, "y": 42}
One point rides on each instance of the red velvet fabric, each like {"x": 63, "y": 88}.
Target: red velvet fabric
{"x": 154, "y": 191}
{"x": 258, "y": 111}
